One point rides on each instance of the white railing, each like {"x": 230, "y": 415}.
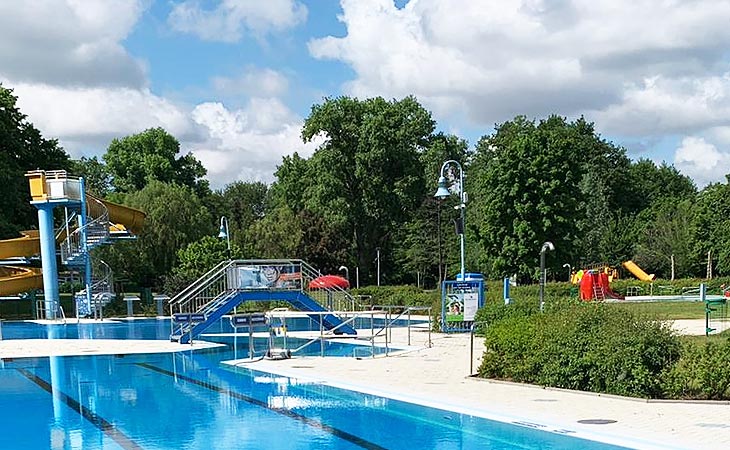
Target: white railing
{"x": 216, "y": 286}
{"x": 94, "y": 233}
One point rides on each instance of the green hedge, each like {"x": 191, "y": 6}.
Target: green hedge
{"x": 703, "y": 372}
{"x": 581, "y": 346}
{"x": 400, "y": 296}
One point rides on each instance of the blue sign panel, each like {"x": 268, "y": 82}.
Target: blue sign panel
{"x": 181, "y": 318}
{"x": 197, "y": 318}
{"x": 460, "y": 301}
{"x": 249, "y": 320}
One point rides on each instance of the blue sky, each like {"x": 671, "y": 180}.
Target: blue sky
{"x": 234, "y": 79}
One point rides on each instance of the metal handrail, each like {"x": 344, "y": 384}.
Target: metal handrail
{"x": 200, "y": 283}
{"x": 98, "y": 227}
{"x": 407, "y": 310}
{"x": 63, "y": 315}
{"x": 215, "y": 287}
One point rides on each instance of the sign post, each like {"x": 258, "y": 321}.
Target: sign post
{"x": 460, "y": 301}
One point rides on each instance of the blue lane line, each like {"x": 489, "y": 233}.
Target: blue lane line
{"x": 285, "y": 412}
{"x": 104, "y": 425}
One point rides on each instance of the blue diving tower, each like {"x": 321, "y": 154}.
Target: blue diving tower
{"x": 87, "y": 224}
{"x": 234, "y": 282}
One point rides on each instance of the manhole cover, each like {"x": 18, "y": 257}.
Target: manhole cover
{"x": 596, "y": 421}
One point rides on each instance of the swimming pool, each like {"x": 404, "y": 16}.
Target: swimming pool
{"x": 156, "y": 328}
{"x": 189, "y": 400}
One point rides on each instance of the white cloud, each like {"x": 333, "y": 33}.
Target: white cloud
{"x": 71, "y": 42}
{"x": 669, "y": 105}
{"x": 233, "y": 144}
{"x": 229, "y": 20}
{"x": 701, "y": 160}
{"x": 248, "y": 143}
{"x": 77, "y": 83}
{"x": 638, "y": 68}
{"x": 90, "y": 117}
{"x": 253, "y": 82}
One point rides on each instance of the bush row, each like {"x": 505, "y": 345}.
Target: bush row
{"x": 593, "y": 347}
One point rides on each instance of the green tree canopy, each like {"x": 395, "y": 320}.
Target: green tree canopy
{"x": 22, "y": 148}
{"x": 136, "y": 160}
{"x": 175, "y": 218}
{"x": 96, "y": 175}
{"x": 526, "y": 192}
{"x": 367, "y": 176}
{"x": 712, "y": 224}
{"x": 243, "y": 204}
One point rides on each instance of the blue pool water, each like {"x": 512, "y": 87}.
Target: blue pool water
{"x": 149, "y": 328}
{"x": 190, "y": 400}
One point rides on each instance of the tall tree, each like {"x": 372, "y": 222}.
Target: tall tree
{"x": 712, "y": 224}
{"x": 136, "y": 160}
{"x": 526, "y": 178}
{"x": 366, "y": 177}
{"x": 243, "y": 204}
{"x": 175, "y": 218}
{"x": 668, "y": 242}
{"x": 22, "y": 148}
{"x": 651, "y": 183}
{"x": 97, "y": 178}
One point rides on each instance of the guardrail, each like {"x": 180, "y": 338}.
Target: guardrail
{"x": 375, "y": 332}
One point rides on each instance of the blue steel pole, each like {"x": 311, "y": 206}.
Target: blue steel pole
{"x": 48, "y": 258}
{"x": 84, "y": 245}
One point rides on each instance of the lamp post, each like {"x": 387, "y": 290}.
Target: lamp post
{"x": 570, "y": 270}
{"x": 223, "y": 233}
{"x": 347, "y": 272}
{"x": 443, "y": 191}
{"x": 547, "y": 245}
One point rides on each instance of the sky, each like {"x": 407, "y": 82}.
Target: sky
{"x": 234, "y": 80}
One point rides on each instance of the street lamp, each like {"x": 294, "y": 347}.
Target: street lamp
{"x": 570, "y": 270}
{"x": 547, "y": 245}
{"x": 347, "y": 272}
{"x": 443, "y": 191}
{"x": 224, "y": 234}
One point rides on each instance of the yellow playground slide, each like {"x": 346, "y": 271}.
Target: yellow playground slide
{"x": 638, "y": 273}
{"x": 14, "y": 280}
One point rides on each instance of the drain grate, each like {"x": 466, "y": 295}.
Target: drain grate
{"x": 545, "y": 400}
{"x": 596, "y": 421}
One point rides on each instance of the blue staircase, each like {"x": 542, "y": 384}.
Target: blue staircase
{"x": 232, "y": 283}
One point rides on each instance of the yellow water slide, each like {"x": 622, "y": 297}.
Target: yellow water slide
{"x": 638, "y": 273}
{"x": 14, "y": 280}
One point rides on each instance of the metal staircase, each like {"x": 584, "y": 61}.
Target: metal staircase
{"x": 83, "y": 239}
{"x": 231, "y": 283}
{"x": 102, "y": 291}
{"x": 75, "y": 250}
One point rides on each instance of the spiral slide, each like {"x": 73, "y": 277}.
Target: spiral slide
{"x": 14, "y": 280}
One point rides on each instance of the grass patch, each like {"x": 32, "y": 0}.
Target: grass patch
{"x": 665, "y": 310}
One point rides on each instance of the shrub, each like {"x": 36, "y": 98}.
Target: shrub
{"x": 582, "y": 346}
{"x": 401, "y": 296}
{"x": 702, "y": 373}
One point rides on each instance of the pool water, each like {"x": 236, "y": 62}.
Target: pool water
{"x": 190, "y": 400}
{"x": 153, "y": 328}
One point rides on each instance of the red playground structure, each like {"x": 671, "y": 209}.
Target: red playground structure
{"x": 594, "y": 286}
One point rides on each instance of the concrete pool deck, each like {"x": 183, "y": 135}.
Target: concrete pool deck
{"x": 438, "y": 376}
